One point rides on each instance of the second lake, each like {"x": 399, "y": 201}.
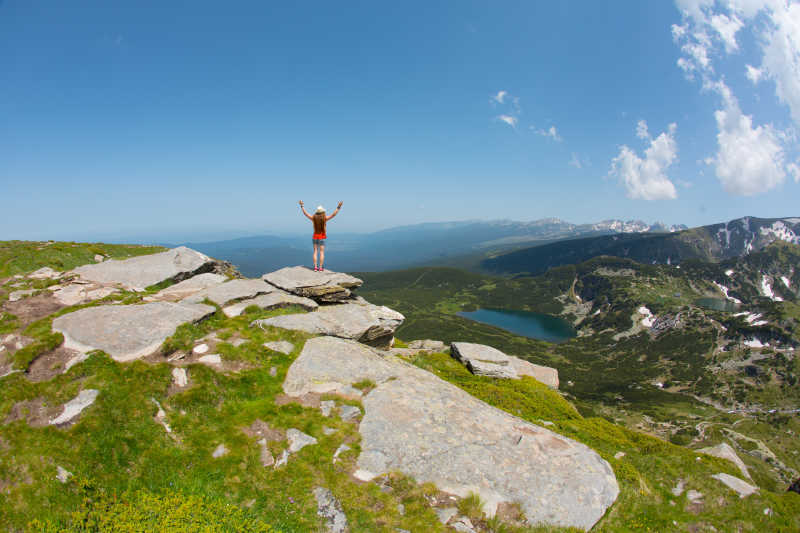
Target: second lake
{"x": 526, "y": 323}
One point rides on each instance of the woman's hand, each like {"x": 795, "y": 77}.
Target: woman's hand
{"x": 340, "y": 205}
{"x": 301, "y": 203}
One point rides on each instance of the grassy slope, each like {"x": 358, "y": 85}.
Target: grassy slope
{"x": 122, "y": 458}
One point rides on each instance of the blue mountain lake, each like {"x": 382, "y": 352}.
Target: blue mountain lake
{"x": 717, "y": 304}
{"x": 526, "y": 323}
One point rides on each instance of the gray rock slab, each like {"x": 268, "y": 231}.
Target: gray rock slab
{"x": 126, "y": 332}
{"x": 543, "y": 374}
{"x": 741, "y": 487}
{"x": 19, "y": 295}
{"x": 326, "y": 406}
{"x": 446, "y": 513}
{"x": 423, "y": 426}
{"x": 724, "y": 451}
{"x": 273, "y": 300}
{"x": 282, "y": 460}
{"x": 340, "y": 450}
{"x": 190, "y": 286}
{"x": 329, "y": 508}
{"x": 324, "y": 286}
{"x": 44, "y": 273}
{"x": 298, "y": 440}
{"x": 348, "y": 413}
{"x": 235, "y": 289}
{"x": 138, "y": 273}
{"x": 284, "y": 347}
{"x": 694, "y": 496}
{"x": 265, "y": 456}
{"x": 428, "y": 345}
{"x": 483, "y": 360}
{"x": 75, "y": 294}
{"x": 212, "y": 359}
{"x": 62, "y": 474}
{"x": 75, "y": 406}
{"x": 367, "y": 323}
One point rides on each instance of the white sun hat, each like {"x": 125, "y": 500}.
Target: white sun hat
{"x": 320, "y": 209}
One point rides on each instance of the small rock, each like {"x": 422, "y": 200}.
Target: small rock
{"x": 619, "y": 455}
{"x": 694, "y": 496}
{"x": 341, "y": 449}
{"x": 19, "y": 295}
{"x": 298, "y": 440}
{"x": 211, "y": 359}
{"x": 328, "y": 431}
{"x": 98, "y": 258}
{"x": 273, "y": 371}
{"x": 326, "y": 406}
{"x": 463, "y": 524}
{"x": 161, "y": 416}
{"x": 176, "y": 356}
{"x": 741, "y": 487}
{"x": 767, "y": 511}
{"x": 446, "y": 513}
{"x": 44, "y": 273}
{"x": 219, "y": 451}
{"x": 283, "y": 459}
{"x": 73, "y": 408}
{"x": 265, "y": 455}
{"x": 63, "y": 475}
{"x": 428, "y": 345}
{"x": 329, "y": 508}
{"x": 348, "y": 413}
{"x": 179, "y": 377}
{"x": 679, "y": 488}
{"x": 76, "y": 359}
{"x": 401, "y": 509}
{"x": 284, "y": 347}
{"x": 200, "y": 349}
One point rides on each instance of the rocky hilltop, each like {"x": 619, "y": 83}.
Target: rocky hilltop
{"x": 289, "y": 396}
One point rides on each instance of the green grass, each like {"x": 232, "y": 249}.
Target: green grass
{"x": 20, "y": 257}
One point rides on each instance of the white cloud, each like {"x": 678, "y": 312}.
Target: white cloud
{"x": 645, "y": 178}
{"x": 794, "y": 170}
{"x": 499, "y": 97}
{"x": 508, "y": 119}
{"x": 749, "y": 160}
{"x": 575, "y": 161}
{"x": 754, "y": 74}
{"x": 727, "y": 27}
{"x": 641, "y": 130}
{"x": 551, "y": 132}
{"x": 781, "y": 60}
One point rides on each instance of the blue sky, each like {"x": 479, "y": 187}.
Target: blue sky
{"x": 131, "y": 119}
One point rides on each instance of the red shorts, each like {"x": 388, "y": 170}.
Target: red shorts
{"x": 318, "y": 238}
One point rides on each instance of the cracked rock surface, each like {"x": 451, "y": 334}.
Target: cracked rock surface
{"x": 418, "y": 424}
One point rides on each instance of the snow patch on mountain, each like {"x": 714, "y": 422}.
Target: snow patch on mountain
{"x": 781, "y": 231}
{"x": 766, "y": 289}
{"x": 724, "y": 291}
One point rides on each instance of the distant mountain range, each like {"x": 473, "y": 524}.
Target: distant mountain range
{"x": 463, "y": 243}
{"x": 712, "y": 243}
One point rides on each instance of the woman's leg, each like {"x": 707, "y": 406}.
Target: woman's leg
{"x": 321, "y": 256}
{"x": 316, "y": 247}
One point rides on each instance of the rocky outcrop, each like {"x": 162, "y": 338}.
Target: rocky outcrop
{"x": 484, "y": 360}
{"x": 363, "y": 322}
{"x": 75, "y": 406}
{"x": 273, "y": 300}
{"x": 190, "y": 286}
{"x": 427, "y": 345}
{"x": 423, "y": 426}
{"x": 724, "y": 451}
{"x": 329, "y": 508}
{"x": 138, "y": 273}
{"x": 126, "y": 332}
{"x": 235, "y": 289}
{"x": 741, "y": 487}
{"x": 324, "y": 287}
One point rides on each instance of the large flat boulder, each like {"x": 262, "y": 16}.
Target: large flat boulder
{"x": 273, "y": 300}
{"x": 724, "y": 451}
{"x": 323, "y": 286}
{"x": 235, "y": 289}
{"x": 126, "y": 332}
{"x": 427, "y": 428}
{"x": 138, "y": 273}
{"x": 484, "y": 360}
{"x": 363, "y": 322}
{"x": 190, "y": 286}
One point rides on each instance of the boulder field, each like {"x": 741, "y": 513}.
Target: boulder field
{"x": 413, "y": 421}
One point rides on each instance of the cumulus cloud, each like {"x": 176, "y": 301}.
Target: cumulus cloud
{"x": 508, "y": 119}
{"x": 750, "y": 160}
{"x": 551, "y": 132}
{"x": 645, "y": 178}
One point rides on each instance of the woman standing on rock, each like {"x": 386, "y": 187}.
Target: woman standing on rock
{"x": 319, "y": 219}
